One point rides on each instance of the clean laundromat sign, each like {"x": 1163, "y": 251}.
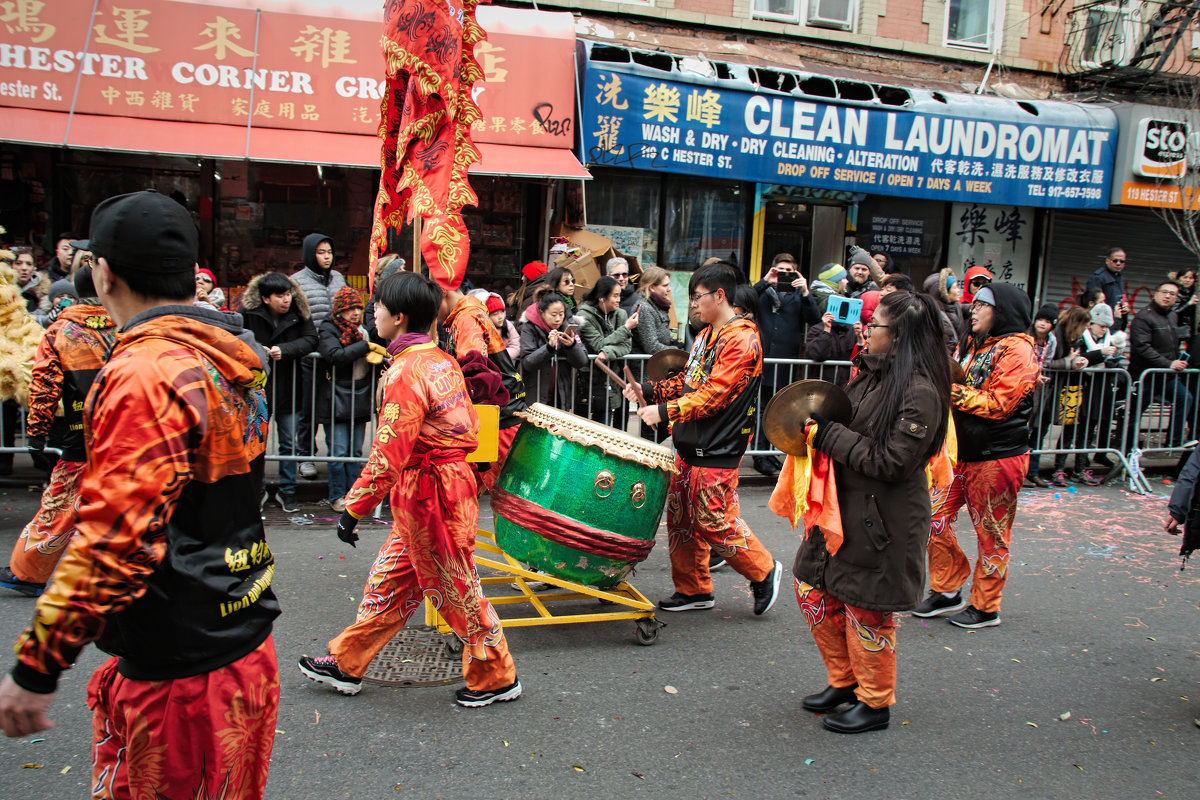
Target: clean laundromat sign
{"x": 640, "y": 122}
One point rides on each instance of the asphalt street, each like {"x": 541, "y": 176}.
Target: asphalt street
{"x": 1089, "y": 688}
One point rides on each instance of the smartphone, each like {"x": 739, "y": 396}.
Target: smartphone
{"x": 570, "y": 332}
{"x": 785, "y": 280}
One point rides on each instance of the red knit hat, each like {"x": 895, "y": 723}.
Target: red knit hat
{"x": 494, "y": 303}
{"x": 208, "y": 274}
{"x": 533, "y": 270}
{"x": 346, "y": 298}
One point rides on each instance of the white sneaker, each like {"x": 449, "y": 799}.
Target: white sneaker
{"x": 308, "y": 470}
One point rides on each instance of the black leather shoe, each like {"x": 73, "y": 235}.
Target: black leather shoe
{"x": 859, "y": 718}
{"x": 829, "y": 698}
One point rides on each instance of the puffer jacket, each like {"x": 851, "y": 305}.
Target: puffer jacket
{"x": 883, "y": 495}
{"x": 295, "y": 335}
{"x": 992, "y": 409}
{"x": 318, "y": 286}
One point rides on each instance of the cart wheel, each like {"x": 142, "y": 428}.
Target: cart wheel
{"x": 453, "y": 645}
{"x": 646, "y": 632}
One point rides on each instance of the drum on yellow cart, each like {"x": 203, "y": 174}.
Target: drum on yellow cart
{"x": 577, "y": 507}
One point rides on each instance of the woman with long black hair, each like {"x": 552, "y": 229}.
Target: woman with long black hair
{"x": 849, "y": 584}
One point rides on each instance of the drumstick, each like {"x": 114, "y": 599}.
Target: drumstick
{"x": 637, "y": 387}
{"x": 616, "y": 378}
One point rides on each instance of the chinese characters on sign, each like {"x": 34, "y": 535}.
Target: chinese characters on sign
{"x": 1064, "y": 159}
{"x": 162, "y": 59}
{"x": 996, "y": 237}
{"x": 898, "y": 236}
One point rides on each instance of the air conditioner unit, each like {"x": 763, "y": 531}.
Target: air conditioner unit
{"x": 1110, "y": 37}
{"x": 831, "y": 13}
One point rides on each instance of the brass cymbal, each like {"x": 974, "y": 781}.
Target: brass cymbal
{"x": 783, "y": 419}
{"x": 957, "y": 373}
{"x": 666, "y": 363}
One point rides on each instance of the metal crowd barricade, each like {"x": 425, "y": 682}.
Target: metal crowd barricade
{"x": 1076, "y": 414}
{"x": 1162, "y": 414}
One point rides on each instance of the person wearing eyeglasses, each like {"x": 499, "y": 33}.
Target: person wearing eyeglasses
{"x": 1154, "y": 343}
{"x": 1110, "y": 279}
{"x": 992, "y": 408}
{"x": 711, "y": 407}
{"x": 618, "y": 269}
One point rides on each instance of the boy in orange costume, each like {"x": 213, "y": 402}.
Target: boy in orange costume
{"x": 68, "y": 359}
{"x": 427, "y": 427}
{"x": 711, "y": 407}
{"x": 466, "y": 318}
{"x": 169, "y": 569}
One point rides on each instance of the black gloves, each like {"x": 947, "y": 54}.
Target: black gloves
{"x": 822, "y": 429}
{"x": 345, "y": 528}
{"x": 36, "y": 445}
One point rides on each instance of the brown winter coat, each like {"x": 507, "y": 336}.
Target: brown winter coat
{"x": 884, "y": 499}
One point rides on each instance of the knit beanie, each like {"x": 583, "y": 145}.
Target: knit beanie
{"x": 831, "y": 274}
{"x": 533, "y": 270}
{"x": 346, "y": 298}
{"x": 494, "y": 303}
{"x": 1102, "y": 314}
{"x": 1048, "y": 311}
{"x": 862, "y": 257}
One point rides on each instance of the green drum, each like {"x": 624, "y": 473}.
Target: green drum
{"x": 580, "y": 500}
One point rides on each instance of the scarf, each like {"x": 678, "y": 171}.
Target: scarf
{"x": 664, "y": 303}
{"x": 405, "y": 341}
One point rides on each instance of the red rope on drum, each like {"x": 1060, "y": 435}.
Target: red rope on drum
{"x": 565, "y": 531}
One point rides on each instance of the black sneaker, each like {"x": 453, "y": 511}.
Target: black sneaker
{"x": 473, "y": 699}
{"x": 325, "y": 670}
{"x": 972, "y": 617}
{"x": 1103, "y": 460}
{"x": 687, "y": 602}
{"x": 767, "y": 590}
{"x": 287, "y": 502}
{"x": 10, "y": 581}
{"x": 937, "y": 603}
{"x": 765, "y": 465}
{"x": 715, "y": 561}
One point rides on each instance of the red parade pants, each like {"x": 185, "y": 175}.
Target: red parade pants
{"x": 857, "y": 645}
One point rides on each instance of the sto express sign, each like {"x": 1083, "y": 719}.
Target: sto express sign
{"x": 1161, "y": 148}
{"x": 994, "y": 154}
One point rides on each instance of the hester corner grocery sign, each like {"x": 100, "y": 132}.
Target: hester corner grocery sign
{"x": 159, "y": 59}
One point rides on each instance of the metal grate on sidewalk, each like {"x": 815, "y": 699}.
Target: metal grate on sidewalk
{"x": 417, "y": 656}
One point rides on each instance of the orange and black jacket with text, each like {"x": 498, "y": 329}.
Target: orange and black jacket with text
{"x": 472, "y": 331}
{"x": 712, "y": 403}
{"x": 425, "y": 417}
{"x": 993, "y": 406}
{"x": 68, "y": 359}
{"x": 170, "y": 568}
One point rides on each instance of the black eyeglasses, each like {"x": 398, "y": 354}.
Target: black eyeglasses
{"x": 872, "y": 326}
{"x": 1117, "y": 260}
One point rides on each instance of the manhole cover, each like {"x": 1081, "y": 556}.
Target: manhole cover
{"x": 415, "y": 657}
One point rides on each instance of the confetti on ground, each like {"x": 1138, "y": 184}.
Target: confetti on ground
{"x": 318, "y": 716}
{"x": 638, "y": 775}
{"x": 578, "y": 768}
{"x": 1066, "y": 715}
{"x": 809, "y": 760}
{"x": 670, "y": 690}
{"x": 1032, "y": 724}
{"x": 31, "y": 766}
{"x": 64, "y": 770}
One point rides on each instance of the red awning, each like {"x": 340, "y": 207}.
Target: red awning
{"x": 165, "y": 137}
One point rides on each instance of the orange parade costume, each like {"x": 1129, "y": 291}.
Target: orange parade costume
{"x": 173, "y": 423}
{"x": 472, "y": 332}
{"x": 710, "y": 405}
{"x": 427, "y": 427}
{"x": 68, "y": 359}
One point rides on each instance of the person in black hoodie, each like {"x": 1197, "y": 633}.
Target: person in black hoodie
{"x": 320, "y": 282}
{"x": 275, "y": 310}
{"x": 992, "y": 406}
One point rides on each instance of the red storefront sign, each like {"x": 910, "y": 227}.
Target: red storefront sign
{"x": 263, "y": 71}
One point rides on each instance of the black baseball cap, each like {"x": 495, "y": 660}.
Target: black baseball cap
{"x": 144, "y": 232}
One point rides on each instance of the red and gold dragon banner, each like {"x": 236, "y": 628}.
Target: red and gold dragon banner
{"x": 427, "y": 113}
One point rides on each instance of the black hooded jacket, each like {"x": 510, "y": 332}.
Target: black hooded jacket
{"x": 992, "y": 407}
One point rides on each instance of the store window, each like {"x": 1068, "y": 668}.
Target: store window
{"x": 973, "y": 23}
{"x": 702, "y": 219}
{"x": 624, "y": 207}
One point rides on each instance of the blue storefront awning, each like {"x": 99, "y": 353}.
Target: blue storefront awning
{"x": 661, "y": 113}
